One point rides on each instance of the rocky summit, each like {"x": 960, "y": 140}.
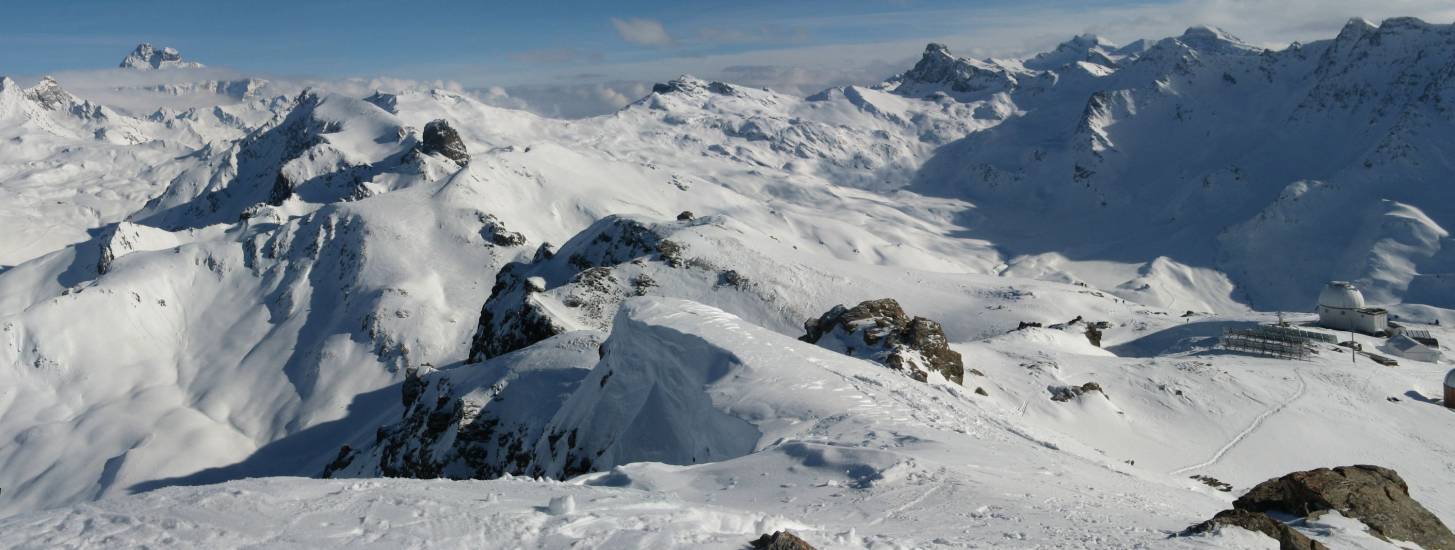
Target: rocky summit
{"x": 441, "y": 139}
{"x": 147, "y": 57}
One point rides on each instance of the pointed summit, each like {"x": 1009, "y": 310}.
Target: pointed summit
{"x": 49, "y": 94}
{"x": 940, "y": 71}
{"x": 146, "y": 57}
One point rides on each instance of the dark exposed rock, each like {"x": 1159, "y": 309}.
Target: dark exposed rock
{"x": 880, "y": 331}
{"x": 1374, "y": 495}
{"x": 781, "y": 540}
{"x": 1288, "y": 538}
{"x": 494, "y": 231}
{"x": 940, "y": 70}
{"x": 345, "y": 456}
{"x": 442, "y": 139}
{"x": 981, "y": 391}
{"x": 1213, "y": 482}
{"x": 476, "y": 421}
{"x": 1067, "y": 393}
{"x": 686, "y": 215}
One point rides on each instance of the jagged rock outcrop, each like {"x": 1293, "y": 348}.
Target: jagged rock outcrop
{"x": 581, "y": 281}
{"x": 940, "y": 71}
{"x": 148, "y": 57}
{"x": 476, "y": 421}
{"x": 1374, "y": 495}
{"x": 441, "y": 139}
{"x": 880, "y": 331}
{"x": 1288, "y": 538}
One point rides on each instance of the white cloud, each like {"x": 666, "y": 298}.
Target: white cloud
{"x": 573, "y": 100}
{"x": 642, "y": 31}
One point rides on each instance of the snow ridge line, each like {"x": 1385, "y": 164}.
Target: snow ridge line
{"x": 1252, "y": 427}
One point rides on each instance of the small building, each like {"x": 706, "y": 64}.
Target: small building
{"x": 1450, "y": 389}
{"x": 1408, "y": 348}
{"x": 1341, "y": 307}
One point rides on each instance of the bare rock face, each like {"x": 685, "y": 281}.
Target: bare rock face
{"x": 880, "y": 331}
{"x": 781, "y": 540}
{"x": 1288, "y": 538}
{"x": 441, "y": 139}
{"x": 1374, "y": 495}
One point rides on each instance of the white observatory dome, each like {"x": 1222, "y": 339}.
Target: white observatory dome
{"x": 1341, "y": 295}
{"x": 1450, "y": 379}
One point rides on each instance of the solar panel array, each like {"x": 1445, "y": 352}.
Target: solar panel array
{"x": 1300, "y": 333}
{"x": 1261, "y": 341}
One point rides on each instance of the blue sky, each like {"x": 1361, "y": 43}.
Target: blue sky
{"x": 589, "y": 56}
{"x": 410, "y": 39}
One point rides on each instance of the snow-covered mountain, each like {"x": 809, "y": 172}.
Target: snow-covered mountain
{"x": 415, "y": 284}
{"x": 147, "y": 57}
{"x": 1221, "y": 156}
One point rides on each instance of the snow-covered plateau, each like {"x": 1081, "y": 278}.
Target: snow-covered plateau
{"x": 236, "y": 312}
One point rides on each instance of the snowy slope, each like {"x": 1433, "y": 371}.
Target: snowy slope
{"x": 846, "y": 453}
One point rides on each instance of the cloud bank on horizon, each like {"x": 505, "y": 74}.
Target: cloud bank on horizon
{"x": 573, "y": 61}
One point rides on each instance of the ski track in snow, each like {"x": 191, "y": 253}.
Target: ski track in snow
{"x": 1252, "y": 427}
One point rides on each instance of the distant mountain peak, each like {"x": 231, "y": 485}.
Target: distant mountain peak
{"x": 49, "y": 94}
{"x": 938, "y": 70}
{"x": 1083, "y": 47}
{"x": 1359, "y": 23}
{"x": 1210, "y": 39}
{"x": 148, "y": 57}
